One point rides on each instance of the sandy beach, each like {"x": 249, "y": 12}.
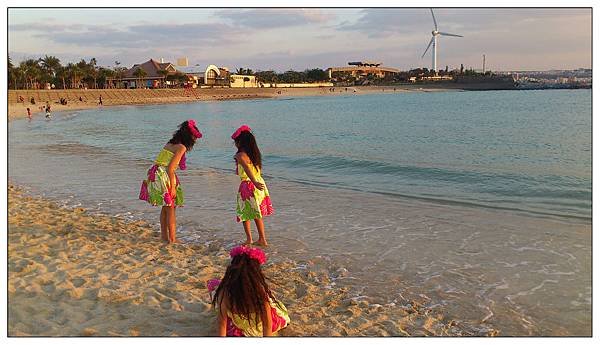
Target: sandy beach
{"x": 164, "y": 96}
{"x": 72, "y": 273}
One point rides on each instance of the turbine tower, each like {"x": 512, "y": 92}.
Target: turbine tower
{"x": 434, "y": 34}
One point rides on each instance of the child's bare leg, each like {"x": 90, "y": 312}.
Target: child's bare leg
{"x": 248, "y": 232}
{"x": 171, "y": 223}
{"x": 262, "y": 239}
{"x": 163, "y": 224}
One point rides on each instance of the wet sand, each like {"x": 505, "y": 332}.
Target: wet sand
{"x": 72, "y": 273}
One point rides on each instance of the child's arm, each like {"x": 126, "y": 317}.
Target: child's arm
{"x": 172, "y": 166}
{"x": 244, "y": 160}
{"x": 222, "y": 317}
{"x": 267, "y": 321}
{"x": 222, "y": 323}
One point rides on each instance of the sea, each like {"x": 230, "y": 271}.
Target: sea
{"x": 478, "y": 202}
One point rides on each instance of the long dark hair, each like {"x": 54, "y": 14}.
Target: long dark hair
{"x": 184, "y": 136}
{"x": 245, "y": 287}
{"x": 247, "y": 143}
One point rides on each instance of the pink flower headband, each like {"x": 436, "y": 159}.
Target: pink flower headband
{"x": 253, "y": 253}
{"x": 239, "y": 131}
{"x": 192, "y": 126}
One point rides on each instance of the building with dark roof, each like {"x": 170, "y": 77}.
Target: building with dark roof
{"x": 362, "y": 69}
{"x": 154, "y": 75}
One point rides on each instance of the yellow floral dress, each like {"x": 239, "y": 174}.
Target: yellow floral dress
{"x": 155, "y": 188}
{"x": 252, "y": 203}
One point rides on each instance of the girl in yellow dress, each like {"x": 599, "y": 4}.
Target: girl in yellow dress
{"x": 162, "y": 187}
{"x": 253, "y": 200}
{"x": 246, "y": 306}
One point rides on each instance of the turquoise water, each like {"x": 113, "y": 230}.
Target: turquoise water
{"x": 451, "y": 194}
{"x": 527, "y": 150}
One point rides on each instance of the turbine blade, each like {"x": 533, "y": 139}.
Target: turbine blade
{"x": 426, "y": 49}
{"x": 434, "y": 22}
{"x": 447, "y": 34}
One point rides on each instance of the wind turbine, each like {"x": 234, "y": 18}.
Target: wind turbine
{"x": 434, "y": 34}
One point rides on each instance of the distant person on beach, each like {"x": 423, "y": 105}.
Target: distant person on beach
{"x": 245, "y": 305}
{"x": 48, "y": 112}
{"x": 32, "y": 100}
{"x": 80, "y": 99}
{"x": 162, "y": 185}
{"x": 100, "y": 100}
{"x": 29, "y": 113}
{"x": 253, "y": 200}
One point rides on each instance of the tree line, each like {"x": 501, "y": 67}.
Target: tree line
{"x": 307, "y": 76}
{"x": 36, "y": 73}
{"x": 48, "y": 70}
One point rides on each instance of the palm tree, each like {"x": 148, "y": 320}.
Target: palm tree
{"x": 164, "y": 73}
{"x": 61, "y": 73}
{"x": 31, "y": 71}
{"x": 140, "y": 74}
{"x": 50, "y": 64}
{"x": 11, "y": 73}
{"x": 103, "y": 74}
{"x": 118, "y": 71}
{"x": 93, "y": 71}
{"x": 74, "y": 71}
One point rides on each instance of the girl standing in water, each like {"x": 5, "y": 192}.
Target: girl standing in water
{"x": 162, "y": 185}
{"x": 253, "y": 200}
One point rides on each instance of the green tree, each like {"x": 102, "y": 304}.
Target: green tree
{"x": 119, "y": 71}
{"x": 140, "y": 74}
{"x": 73, "y": 72}
{"x": 61, "y": 74}
{"x": 103, "y": 74}
{"x": 31, "y": 71}
{"x": 266, "y": 76}
{"x": 11, "y": 74}
{"x": 92, "y": 70}
{"x": 164, "y": 73}
{"x": 50, "y": 66}
{"x": 316, "y": 75}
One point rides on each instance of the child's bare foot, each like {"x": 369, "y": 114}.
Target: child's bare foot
{"x": 261, "y": 243}
{"x": 247, "y": 243}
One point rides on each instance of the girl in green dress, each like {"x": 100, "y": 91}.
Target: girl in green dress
{"x": 253, "y": 200}
{"x": 161, "y": 187}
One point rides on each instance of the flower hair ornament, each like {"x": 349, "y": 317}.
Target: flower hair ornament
{"x": 252, "y": 253}
{"x": 192, "y": 126}
{"x": 243, "y": 128}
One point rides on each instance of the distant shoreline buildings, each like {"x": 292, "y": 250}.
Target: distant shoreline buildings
{"x": 48, "y": 73}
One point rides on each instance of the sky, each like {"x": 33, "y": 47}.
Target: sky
{"x": 281, "y": 39}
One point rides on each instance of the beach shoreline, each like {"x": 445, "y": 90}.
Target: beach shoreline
{"x": 119, "y": 97}
{"x": 73, "y": 273}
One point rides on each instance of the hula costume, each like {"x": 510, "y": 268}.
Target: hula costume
{"x": 252, "y": 203}
{"x": 239, "y": 326}
{"x": 155, "y": 189}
